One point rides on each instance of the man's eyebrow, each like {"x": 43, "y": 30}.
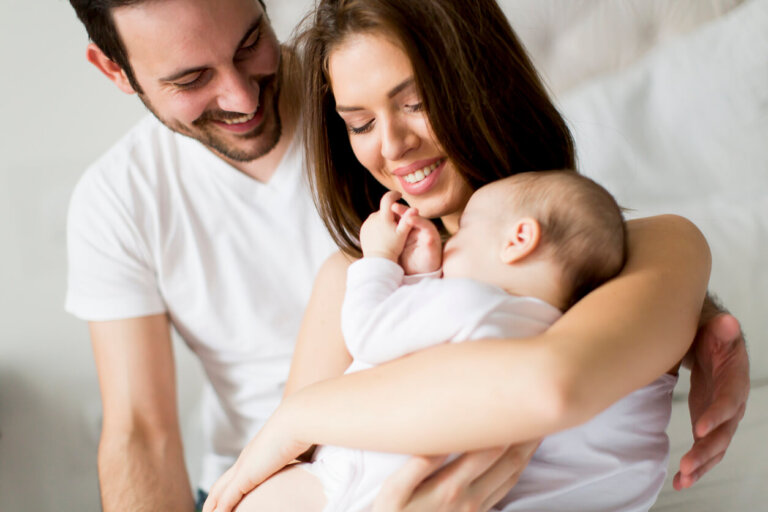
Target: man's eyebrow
{"x": 184, "y": 72}
{"x": 391, "y": 94}
{"x": 256, "y": 25}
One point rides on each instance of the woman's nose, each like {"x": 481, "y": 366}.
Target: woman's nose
{"x": 237, "y": 93}
{"x": 397, "y": 139}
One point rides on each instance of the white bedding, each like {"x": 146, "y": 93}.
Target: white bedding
{"x": 685, "y": 131}
{"x": 738, "y": 483}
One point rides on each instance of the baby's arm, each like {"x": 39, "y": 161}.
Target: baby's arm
{"x": 374, "y": 306}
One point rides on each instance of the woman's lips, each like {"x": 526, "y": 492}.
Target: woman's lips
{"x": 419, "y": 178}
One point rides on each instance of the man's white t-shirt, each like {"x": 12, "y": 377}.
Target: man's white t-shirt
{"x": 160, "y": 224}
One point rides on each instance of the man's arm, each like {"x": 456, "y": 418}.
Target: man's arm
{"x": 141, "y": 461}
{"x": 719, "y": 390}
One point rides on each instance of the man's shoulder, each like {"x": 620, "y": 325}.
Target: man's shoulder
{"x": 126, "y": 173}
{"x": 143, "y": 145}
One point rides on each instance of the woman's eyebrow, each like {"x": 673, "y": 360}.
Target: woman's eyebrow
{"x": 398, "y": 88}
{"x": 391, "y": 94}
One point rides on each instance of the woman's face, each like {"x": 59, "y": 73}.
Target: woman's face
{"x": 376, "y": 96}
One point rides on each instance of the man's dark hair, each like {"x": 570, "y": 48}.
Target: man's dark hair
{"x": 96, "y": 15}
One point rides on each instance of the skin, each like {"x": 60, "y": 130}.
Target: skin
{"x": 719, "y": 362}
{"x": 236, "y": 57}
{"x": 217, "y": 64}
{"x": 389, "y": 131}
{"x": 647, "y": 315}
{"x": 140, "y": 459}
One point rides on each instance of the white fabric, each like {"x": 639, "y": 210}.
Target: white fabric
{"x": 616, "y": 461}
{"x": 685, "y": 131}
{"x": 161, "y": 224}
{"x": 574, "y": 41}
{"x": 383, "y": 320}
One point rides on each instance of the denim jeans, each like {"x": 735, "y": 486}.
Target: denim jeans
{"x": 201, "y": 497}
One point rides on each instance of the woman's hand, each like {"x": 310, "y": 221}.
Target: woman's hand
{"x": 475, "y": 481}
{"x": 270, "y": 451}
{"x": 718, "y": 395}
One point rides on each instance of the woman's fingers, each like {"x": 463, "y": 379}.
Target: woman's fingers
{"x": 504, "y": 474}
{"x": 230, "y": 497}
{"x": 474, "y": 481}
{"x": 213, "y": 495}
{"x": 399, "y": 209}
{"x": 399, "y": 487}
{"x": 464, "y": 470}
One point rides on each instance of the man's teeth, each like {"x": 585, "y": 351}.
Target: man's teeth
{"x": 419, "y": 175}
{"x": 239, "y": 120}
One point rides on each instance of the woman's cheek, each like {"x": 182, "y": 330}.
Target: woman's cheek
{"x": 365, "y": 150}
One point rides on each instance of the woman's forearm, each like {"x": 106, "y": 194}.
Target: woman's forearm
{"x": 494, "y": 392}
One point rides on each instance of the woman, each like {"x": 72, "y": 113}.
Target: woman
{"x": 434, "y": 99}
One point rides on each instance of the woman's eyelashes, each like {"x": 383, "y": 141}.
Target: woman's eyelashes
{"x": 360, "y": 129}
{"x": 416, "y": 107}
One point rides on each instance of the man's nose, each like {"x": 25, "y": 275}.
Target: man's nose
{"x": 238, "y": 93}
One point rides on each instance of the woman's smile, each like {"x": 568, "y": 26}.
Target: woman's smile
{"x": 374, "y": 87}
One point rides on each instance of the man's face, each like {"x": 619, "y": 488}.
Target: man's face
{"x": 207, "y": 69}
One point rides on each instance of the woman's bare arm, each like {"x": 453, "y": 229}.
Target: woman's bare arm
{"x": 320, "y": 351}
{"x": 489, "y": 393}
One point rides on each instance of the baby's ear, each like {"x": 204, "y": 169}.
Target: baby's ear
{"x": 520, "y": 239}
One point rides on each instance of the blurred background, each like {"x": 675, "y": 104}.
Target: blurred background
{"x": 669, "y": 106}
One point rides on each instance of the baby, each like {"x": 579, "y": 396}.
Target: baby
{"x": 527, "y": 248}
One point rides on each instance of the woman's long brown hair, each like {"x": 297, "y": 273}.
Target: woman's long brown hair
{"x": 484, "y": 100}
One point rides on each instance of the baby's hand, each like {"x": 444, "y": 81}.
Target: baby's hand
{"x": 383, "y": 234}
{"x": 422, "y": 252}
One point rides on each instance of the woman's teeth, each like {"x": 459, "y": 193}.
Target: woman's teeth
{"x": 239, "y": 120}
{"x": 419, "y": 175}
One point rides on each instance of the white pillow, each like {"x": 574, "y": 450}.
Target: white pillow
{"x": 685, "y": 130}
{"x": 571, "y": 41}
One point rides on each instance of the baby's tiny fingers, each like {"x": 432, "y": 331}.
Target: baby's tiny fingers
{"x": 399, "y": 209}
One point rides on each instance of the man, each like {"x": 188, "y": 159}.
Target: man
{"x": 199, "y": 218}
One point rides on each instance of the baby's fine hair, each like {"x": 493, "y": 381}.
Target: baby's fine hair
{"x": 582, "y": 226}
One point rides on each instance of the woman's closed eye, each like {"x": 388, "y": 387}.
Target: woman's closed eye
{"x": 414, "y": 107}
{"x": 411, "y": 108}
{"x": 360, "y": 129}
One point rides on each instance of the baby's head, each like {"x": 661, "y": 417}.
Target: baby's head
{"x": 554, "y": 235}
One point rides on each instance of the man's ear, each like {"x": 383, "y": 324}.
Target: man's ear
{"x": 521, "y": 239}
{"x": 109, "y": 67}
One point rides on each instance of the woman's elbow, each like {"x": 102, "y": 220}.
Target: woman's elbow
{"x": 677, "y": 233}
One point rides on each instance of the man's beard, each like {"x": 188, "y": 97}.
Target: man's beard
{"x": 205, "y": 131}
